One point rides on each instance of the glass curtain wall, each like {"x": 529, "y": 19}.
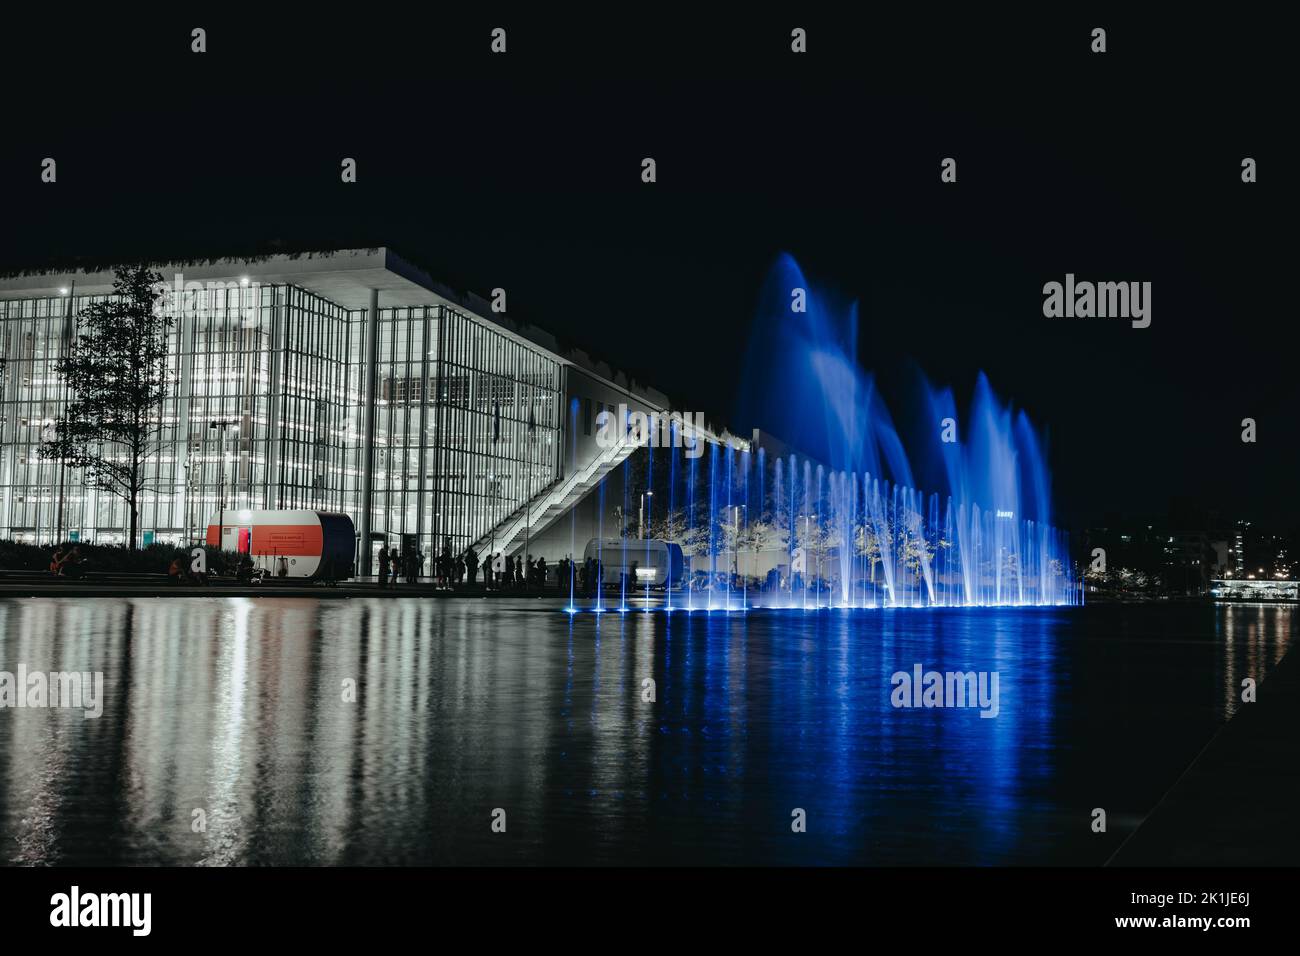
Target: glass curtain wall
{"x": 265, "y": 410}
{"x": 467, "y": 426}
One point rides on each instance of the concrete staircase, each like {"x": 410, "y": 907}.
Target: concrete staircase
{"x": 553, "y": 501}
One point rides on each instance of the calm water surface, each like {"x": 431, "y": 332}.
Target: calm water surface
{"x": 237, "y": 707}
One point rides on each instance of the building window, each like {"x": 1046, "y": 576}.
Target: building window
{"x": 586, "y": 416}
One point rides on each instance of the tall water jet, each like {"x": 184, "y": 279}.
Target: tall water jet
{"x": 849, "y": 515}
{"x": 980, "y": 532}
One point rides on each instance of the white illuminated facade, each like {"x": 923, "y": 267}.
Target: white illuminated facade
{"x": 343, "y": 381}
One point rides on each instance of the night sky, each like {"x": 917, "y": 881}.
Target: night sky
{"x": 523, "y": 172}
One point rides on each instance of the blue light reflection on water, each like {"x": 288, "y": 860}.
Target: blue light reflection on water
{"x": 465, "y": 706}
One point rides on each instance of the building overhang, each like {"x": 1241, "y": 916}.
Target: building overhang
{"x": 345, "y": 277}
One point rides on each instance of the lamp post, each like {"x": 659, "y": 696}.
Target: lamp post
{"x": 805, "y": 559}
{"x": 65, "y": 343}
{"x": 640, "y": 521}
{"x": 222, "y": 424}
{"x": 492, "y": 546}
{"x": 735, "y": 538}
{"x": 189, "y": 458}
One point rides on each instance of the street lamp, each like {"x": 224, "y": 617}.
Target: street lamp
{"x": 805, "y": 559}
{"x": 640, "y": 521}
{"x": 735, "y": 538}
{"x": 233, "y": 424}
{"x": 189, "y": 458}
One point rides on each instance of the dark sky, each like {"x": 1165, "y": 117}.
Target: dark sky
{"x": 523, "y": 172}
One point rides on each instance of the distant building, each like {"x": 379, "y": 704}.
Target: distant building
{"x": 1188, "y": 562}
{"x": 1239, "y": 589}
{"x": 1239, "y": 549}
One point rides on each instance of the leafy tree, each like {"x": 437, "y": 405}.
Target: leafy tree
{"x": 116, "y": 373}
{"x": 668, "y": 525}
{"x": 818, "y": 538}
{"x": 866, "y": 543}
{"x": 764, "y": 535}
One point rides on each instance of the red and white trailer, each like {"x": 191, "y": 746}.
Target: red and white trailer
{"x": 293, "y": 544}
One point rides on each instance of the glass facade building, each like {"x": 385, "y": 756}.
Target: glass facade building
{"x": 315, "y": 384}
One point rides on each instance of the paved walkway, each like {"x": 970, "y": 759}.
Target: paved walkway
{"x": 164, "y": 588}
{"x": 1238, "y": 804}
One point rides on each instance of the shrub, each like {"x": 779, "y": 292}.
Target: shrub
{"x": 155, "y": 559}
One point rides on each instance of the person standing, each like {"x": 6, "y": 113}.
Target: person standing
{"x": 447, "y": 563}
{"x": 471, "y": 565}
{"x": 383, "y": 565}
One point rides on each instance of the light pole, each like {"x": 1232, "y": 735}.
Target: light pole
{"x": 492, "y": 546}
{"x": 69, "y": 330}
{"x": 735, "y": 538}
{"x": 805, "y": 560}
{"x": 233, "y": 424}
{"x": 189, "y": 458}
{"x": 640, "y": 521}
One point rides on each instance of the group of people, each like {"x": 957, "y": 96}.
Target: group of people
{"x": 589, "y": 575}
{"x": 500, "y": 572}
{"x": 244, "y": 570}
{"x": 526, "y": 573}
{"x": 503, "y": 573}
{"x": 393, "y": 565}
{"x": 452, "y": 569}
{"x": 69, "y": 563}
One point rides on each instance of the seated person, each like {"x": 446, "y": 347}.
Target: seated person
{"x": 73, "y": 565}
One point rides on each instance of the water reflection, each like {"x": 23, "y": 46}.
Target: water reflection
{"x": 387, "y": 731}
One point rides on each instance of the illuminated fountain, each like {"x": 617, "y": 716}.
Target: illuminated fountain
{"x": 844, "y": 522}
